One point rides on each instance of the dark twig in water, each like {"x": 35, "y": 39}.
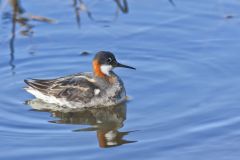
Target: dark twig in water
{"x": 18, "y": 18}
{"x": 172, "y": 2}
{"x": 83, "y": 7}
{"x": 79, "y": 6}
{"x": 77, "y": 12}
{"x": 11, "y": 44}
{"x": 16, "y": 10}
{"x": 124, "y": 7}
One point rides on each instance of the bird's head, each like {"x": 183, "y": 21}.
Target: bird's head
{"x": 104, "y": 62}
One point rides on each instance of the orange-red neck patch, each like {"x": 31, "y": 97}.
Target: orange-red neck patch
{"x": 97, "y": 72}
{"x": 96, "y": 69}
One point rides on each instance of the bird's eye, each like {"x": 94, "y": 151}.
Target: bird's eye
{"x": 109, "y": 60}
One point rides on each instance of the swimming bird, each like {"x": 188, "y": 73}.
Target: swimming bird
{"x": 101, "y": 88}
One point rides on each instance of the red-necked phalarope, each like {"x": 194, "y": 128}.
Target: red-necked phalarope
{"x": 100, "y": 88}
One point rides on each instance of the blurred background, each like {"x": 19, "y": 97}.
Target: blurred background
{"x": 184, "y": 96}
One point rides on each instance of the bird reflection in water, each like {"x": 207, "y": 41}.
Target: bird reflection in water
{"x": 106, "y": 121}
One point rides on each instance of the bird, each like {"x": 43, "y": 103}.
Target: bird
{"x": 102, "y": 87}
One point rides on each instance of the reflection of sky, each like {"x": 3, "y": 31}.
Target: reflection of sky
{"x": 184, "y": 93}
{"x": 146, "y": 24}
{"x": 19, "y": 18}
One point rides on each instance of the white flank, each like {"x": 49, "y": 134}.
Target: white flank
{"x": 37, "y": 94}
{"x": 48, "y": 99}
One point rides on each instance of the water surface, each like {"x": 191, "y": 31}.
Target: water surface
{"x": 184, "y": 95}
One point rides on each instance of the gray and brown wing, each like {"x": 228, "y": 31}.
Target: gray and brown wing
{"x": 72, "y": 88}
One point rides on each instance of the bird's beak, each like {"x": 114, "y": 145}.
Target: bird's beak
{"x": 124, "y": 66}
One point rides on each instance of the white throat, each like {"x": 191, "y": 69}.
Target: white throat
{"x": 106, "y": 69}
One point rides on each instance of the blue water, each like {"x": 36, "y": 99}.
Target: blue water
{"x": 184, "y": 96}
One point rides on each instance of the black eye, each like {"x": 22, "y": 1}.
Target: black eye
{"x": 109, "y": 60}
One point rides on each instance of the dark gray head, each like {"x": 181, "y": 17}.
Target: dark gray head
{"x": 104, "y": 62}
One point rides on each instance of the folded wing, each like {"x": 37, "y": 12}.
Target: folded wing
{"x": 72, "y": 88}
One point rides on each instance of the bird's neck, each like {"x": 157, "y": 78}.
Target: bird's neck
{"x": 97, "y": 69}
{"x": 98, "y": 73}
{"x": 109, "y": 80}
